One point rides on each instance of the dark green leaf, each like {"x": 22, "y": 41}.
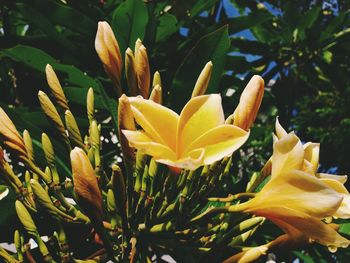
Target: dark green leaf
{"x": 212, "y": 47}
{"x": 167, "y": 26}
{"x": 129, "y": 23}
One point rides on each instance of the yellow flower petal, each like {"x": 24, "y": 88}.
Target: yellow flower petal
{"x": 146, "y": 145}
{"x": 158, "y": 122}
{"x": 340, "y": 178}
{"x": 288, "y": 154}
{"x": 311, "y": 154}
{"x": 344, "y": 209}
{"x": 280, "y": 132}
{"x": 219, "y": 142}
{"x": 295, "y": 222}
{"x": 299, "y": 191}
{"x": 199, "y": 115}
{"x": 192, "y": 161}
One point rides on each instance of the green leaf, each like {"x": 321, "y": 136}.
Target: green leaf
{"x": 200, "y": 6}
{"x": 37, "y": 59}
{"x": 167, "y": 26}
{"x": 129, "y": 23}
{"x": 41, "y": 21}
{"x": 303, "y": 257}
{"x": 212, "y": 47}
{"x": 237, "y": 24}
{"x": 66, "y": 16}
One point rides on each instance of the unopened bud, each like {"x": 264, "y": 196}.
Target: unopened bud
{"x": 73, "y": 129}
{"x": 249, "y": 103}
{"x": 203, "y": 80}
{"x": 56, "y": 87}
{"x": 125, "y": 122}
{"x": 130, "y": 72}
{"x": 108, "y": 51}
{"x": 156, "y": 79}
{"x": 156, "y": 94}
{"x": 142, "y": 70}
{"x": 86, "y": 185}
{"x": 90, "y": 103}
{"x": 25, "y": 218}
{"x": 10, "y": 136}
{"x": 28, "y": 144}
{"x": 52, "y": 114}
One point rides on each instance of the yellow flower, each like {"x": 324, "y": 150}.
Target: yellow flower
{"x": 310, "y": 165}
{"x": 197, "y": 137}
{"x": 293, "y": 199}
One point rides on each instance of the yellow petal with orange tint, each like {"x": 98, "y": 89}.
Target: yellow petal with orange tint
{"x": 219, "y": 142}
{"x": 146, "y": 145}
{"x": 340, "y": 178}
{"x": 159, "y": 122}
{"x": 191, "y": 161}
{"x": 311, "y": 154}
{"x": 199, "y": 115}
{"x": 295, "y": 222}
{"x": 344, "y": 209}
{"x": 299, "y": 191}
{"x": 280, "y": 131}
{"x": 288, "y": 155}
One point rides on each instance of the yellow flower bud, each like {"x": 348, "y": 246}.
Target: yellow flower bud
{"x": 156, "y": 94}
{"x": 48, "y": 150}
{"x": 45, "y": 201}
{"x": 25, "y": 218}
{"x": 130, "y": 72}
{"x": 142, "y": 70}
{"x": 125, "y": 122}
{"x": 10, "y": 135}
{"x": 108, "y": 51}
{"x": 56, "y": 87}
{"x": 90, "y": 104}
{"x": 203, "y": 80}
{"x": 249, "y": 103}
{"x": 73, "y": 129}
{"x": 52, "y": 114}
{"x": 156, "y": 79}
{"x": 28, "y": 144}
{"x": 86, "y": 185}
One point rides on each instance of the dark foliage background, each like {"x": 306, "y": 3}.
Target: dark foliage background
{"x": 301, "y": 48}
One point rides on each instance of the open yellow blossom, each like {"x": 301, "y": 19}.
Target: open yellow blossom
{"x": 310, "y": 165}
{"x": 196, "y": 137}
{"x": 293, "y": 199}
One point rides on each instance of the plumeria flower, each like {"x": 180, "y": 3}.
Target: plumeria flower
{"x": 196, "y": 137}
{"x": 310, "y": 165}
{"x": 295, "y": 200}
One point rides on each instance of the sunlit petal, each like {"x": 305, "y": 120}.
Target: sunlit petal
{"x": 294, "y": 222}
{"x": 340, "y": 178}
{"x": 146, "y": 145}
{"x": 311, "y": 154}
{"x": 199, "y": 115}
{"x": 219, "y": 142}
{"x": 158, "y": 122}
{"x": 280, "y": 131}
{"x": 288, "y": 154}
{"x": 191, "y": 161}
{"x": 300, "y": 191}
{"x": 344, "y": 209}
